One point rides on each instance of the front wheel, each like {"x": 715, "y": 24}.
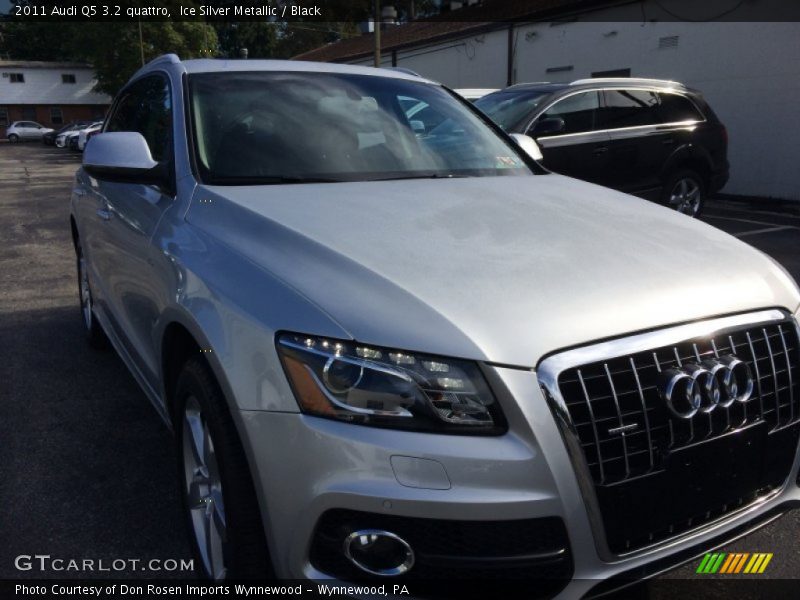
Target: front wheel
{"x": 685, "y": 191}
{"x": 215, "y": 482}
{"x": 94, "y": 332}
{"x": 13, "y": 138}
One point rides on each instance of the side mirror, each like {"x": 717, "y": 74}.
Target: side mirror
{"x": 123, "y": 156}
{"x": 549, "y": 126}
{"x": 527, "y": 144}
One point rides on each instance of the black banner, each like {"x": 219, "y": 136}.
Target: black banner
{"x": 485, "y": 11}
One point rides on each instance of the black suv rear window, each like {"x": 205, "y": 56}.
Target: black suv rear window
{"x": 629, "y": 108}
{"x": 676, "y": 108}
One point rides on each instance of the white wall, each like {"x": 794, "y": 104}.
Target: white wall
{"x": 749, "y": 73}
{"x": 44, "y": 86}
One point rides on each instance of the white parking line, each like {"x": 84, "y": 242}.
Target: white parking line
{"x": 759, "y": 212}
{"x": 751, "y": 221}
{"x": 765, "y": 230}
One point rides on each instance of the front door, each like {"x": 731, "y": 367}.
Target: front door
{"x": 639, "y": 144}
{"x": 578, "y": 150}
{"x": 130, "y": 214}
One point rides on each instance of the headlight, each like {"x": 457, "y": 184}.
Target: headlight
{"x": 388, "y": 388}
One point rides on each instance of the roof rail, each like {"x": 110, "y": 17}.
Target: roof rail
{"x": 164, "y": 58}
{"x": 171, "y": 59}
{"x": 403, "y": 70}
{"x": 659, "y": 82}
{"x": 527, "y": 83}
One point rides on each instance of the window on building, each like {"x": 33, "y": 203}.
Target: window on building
{"x": 56, "y": 118}
{"x": 67, "y": 78}
{"x": 16, "y": 77}
{"x": 3, "y": 117}
{"x": 613, "y": 73}
{"x": 563, "y": 69}
{"x": 629, "y": 108}
{"x": 578, "y": 111}
{"x": 29, "y": 113}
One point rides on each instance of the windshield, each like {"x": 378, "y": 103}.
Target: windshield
{"x": 510, "y": 109}
{"x": 277, "y": 127}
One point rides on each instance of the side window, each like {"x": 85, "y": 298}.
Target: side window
{"x": 629, "y": 108}
{"x": 578, "y": 111}
{"x": 676, "y": 108}
{"x": 146, "y": 107}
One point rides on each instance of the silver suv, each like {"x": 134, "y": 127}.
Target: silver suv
{"x": 410, "y": 353}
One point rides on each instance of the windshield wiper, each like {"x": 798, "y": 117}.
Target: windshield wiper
{"x": 420, "y": 176}
{"x": 272, "y": 180}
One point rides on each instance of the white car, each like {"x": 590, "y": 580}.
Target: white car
{"x": 19, "y": 131}
{"x": 61, "y": 139}
{"x": 83, "y": 134}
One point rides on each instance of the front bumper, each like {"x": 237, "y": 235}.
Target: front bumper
{"x": 304, "y": 466}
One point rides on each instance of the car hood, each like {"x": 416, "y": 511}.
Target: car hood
{"x": 503, "y": 269}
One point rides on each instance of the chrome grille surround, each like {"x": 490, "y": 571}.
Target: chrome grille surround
{"x": 641, "y": 453}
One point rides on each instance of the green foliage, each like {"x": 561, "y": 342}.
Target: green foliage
{"x": 113, "y": 48}
{"x": 115, "y": 51}
{"x": 260, "y": 38}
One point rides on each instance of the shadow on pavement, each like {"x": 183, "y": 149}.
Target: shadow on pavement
{"x": 86, "y": 465}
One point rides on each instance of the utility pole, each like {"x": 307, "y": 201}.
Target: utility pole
{"x": 377, "y": 27}
{"x": 141, "y": 42}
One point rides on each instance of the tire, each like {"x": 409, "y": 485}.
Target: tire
{"x": 219, "y": 498}
{"x": 95, "y": 335}
{"x": 685, "y": 191}
{"x": 13, "y": 138}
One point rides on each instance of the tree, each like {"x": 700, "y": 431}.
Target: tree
{"x": 112, "y": 48}
{"x": 259, "y": 37}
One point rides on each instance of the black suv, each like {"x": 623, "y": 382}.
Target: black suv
{"x": 654, "y": 138}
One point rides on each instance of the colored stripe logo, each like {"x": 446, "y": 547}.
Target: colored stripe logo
{"x": 734, "y": 563}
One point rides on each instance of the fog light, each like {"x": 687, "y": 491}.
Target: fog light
{"x": 379, "y": 552}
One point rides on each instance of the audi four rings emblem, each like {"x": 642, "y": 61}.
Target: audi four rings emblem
{"x": 703, "y": 387}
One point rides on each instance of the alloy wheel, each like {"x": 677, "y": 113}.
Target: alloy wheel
{"x": 204, "y": 490}
{"x": 86, "y": 293}
{"x": 686, "y": 196}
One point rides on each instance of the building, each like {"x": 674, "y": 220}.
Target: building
{"x": 746, "y": 67}
{"x": 50, "y": 93}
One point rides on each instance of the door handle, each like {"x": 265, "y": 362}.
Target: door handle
{"x": 668, "y": 141}
{"x": 104, "y": 214}
{"x": 600, "y": 151}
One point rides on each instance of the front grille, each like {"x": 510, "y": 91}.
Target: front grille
{"x": 636, "y": 449}
{"x": 448, "y": 550}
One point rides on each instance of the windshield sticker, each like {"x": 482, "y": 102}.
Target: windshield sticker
{"x": 507, "y": 162}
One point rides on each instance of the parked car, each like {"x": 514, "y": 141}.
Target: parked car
{"x": 90, "y": 135}
{"x": 83, "y": 134}
{"x": 395, "y": 355}
{"x": 654, "y": 138}
{"x": 49, "y": 138}
{"x": 473, "y": 94}
{"x": 61, "y": 139}
{"x": 71, "y": 140}
{"x": 21, "y": 131}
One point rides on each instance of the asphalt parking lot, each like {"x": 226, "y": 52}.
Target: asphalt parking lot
{"x": 86, "y": 466}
